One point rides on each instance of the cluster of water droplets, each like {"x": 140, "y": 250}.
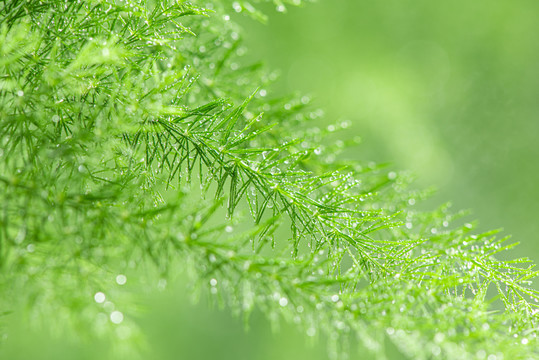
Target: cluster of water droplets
{"x": 114, "y": 315}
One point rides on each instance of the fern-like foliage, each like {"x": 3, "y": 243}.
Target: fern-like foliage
{"x": 132, "y": 134}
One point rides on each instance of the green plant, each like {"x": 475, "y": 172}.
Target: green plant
{"x": 121, "y": 149}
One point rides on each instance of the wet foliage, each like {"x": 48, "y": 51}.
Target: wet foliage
{"x": 134, "y": 137}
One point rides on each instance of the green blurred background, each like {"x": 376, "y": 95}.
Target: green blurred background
{"x": 449, "y": 90}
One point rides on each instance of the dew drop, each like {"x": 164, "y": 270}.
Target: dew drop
{"x": 116, "y": 317}
{"x": 275, "y": 170}
{"x": 121, "y": 279}
{"x": 108, "y": 305}
{"x": 439, "y": 337}
{"x": 99, "y": 297}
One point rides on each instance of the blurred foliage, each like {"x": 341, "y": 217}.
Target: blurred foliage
{"x": 448, "y": 90}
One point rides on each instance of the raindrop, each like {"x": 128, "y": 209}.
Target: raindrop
{"x": 121, "y": 279}
{"x": 116, "y": 317}
{"x": 236, "y": 6}
{"x": 99, "y": 297}
{"x": 108, "y": 305}
{"x": 283, "y": 301}
{"x": 346, "y": 124}
{"x": 275, "y": 170}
